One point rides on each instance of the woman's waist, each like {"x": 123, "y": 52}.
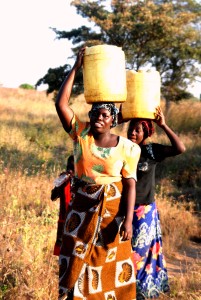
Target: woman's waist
{"x": 98, "y": 180}
{"x": 94, "y": 188}
{"x": 86, "y": 195}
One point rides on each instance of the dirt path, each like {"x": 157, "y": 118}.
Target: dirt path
{"x": 184, "y": 260}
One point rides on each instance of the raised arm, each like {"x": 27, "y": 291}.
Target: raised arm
{"x": 177, "y": 147}
{"x": 65, "y": 113}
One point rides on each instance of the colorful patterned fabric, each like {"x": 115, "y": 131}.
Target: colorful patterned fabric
{"x": 64, "y": 194}
{"x": 151, "y": 276}
{"x": 94, "y": 261}
{"x": 99, "y": 165}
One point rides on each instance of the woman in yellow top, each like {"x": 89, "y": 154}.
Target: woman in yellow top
{"x": 96, "y": 256}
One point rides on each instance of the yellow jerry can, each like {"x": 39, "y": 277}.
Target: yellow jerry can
{"x": 143, "y": 94}
{"x": 104, "y": 74}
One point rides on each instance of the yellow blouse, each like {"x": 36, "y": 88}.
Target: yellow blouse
{"x": 99, "y": 165}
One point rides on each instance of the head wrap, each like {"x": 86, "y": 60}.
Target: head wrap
{"x": 147, "y": 126}
{"x": 110, "y": 107}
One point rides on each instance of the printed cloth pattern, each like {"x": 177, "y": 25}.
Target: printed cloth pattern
{"x": 99, "y": 165}
{"x": 94, "y": 261}
{"x": 150, "y": 265}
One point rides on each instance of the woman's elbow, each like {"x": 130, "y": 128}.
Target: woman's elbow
{"x": 60, "y": 108}
{"x": 181, "y": 149}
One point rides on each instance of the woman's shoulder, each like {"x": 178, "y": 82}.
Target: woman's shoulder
{"x": 125, "y": 141}
{"x": 79, "y": 127}
{"x": 153, "y": 151}
{"x": 127, "y": 144}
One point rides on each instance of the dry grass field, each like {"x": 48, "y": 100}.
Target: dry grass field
{"x": 33, "y": 151}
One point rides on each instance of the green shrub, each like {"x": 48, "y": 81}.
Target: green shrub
{"x": 27, "y": 86}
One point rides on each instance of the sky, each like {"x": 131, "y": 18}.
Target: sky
{"x": 28, "y": 47}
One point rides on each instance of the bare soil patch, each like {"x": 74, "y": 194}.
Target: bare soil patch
{"x": 186, "y": 259}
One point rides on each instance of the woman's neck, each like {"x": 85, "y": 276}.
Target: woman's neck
{"x": 142, "y": 143}
{"x": 105, "y": 140}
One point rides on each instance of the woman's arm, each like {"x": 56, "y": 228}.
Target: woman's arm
{"x": 65, "y": 113}
{"x": 128, "y": 198}
{"x": 177, "y": 146}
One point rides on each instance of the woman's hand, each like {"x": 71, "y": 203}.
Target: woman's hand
{"x": 177, "y": 146}
{"x": 64, "y": 111}
{"x": 159, "y": 117}
{"x": 126, "y": 230}
{"x": 79, "y": 59}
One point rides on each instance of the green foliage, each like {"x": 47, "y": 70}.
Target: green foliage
{"x": 55, "y": 77}
{"x": 175, "y": 93}
{"x": 27, "y": 86}
{"x": 161, "y": 34}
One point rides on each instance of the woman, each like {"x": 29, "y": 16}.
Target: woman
{"x": 95, "y": 256}
{"x": 151, "y": 274}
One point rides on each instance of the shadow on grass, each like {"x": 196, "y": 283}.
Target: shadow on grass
{"x": 30, "y": 163}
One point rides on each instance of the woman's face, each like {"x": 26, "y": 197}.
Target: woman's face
{"x": 101, "y": 120}
{"x": 136, "y": 133}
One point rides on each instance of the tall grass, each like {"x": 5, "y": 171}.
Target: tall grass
{"x": 33, "y": 151}
{"x": 28, "y": 223}
{"x": 187, "y": 119}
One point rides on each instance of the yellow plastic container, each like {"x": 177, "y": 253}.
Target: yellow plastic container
{"x": 104, "y": 74}
{"x": 143, "y": 94}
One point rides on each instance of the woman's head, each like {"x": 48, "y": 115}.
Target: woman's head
{"x": 139, "y": 130}
{"x": 106, "y": 111}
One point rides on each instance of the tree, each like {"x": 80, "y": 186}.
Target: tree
{"x": 153, "y": 34}
{"x": 55, "y": 77}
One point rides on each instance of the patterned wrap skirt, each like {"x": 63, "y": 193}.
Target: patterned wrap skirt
{"x": 151, "y": 272}
{"x": 94, "y": 261}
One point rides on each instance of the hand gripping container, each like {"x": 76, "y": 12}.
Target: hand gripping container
{"x": 104, "y": 74}
{"x": 143, "y": 94}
